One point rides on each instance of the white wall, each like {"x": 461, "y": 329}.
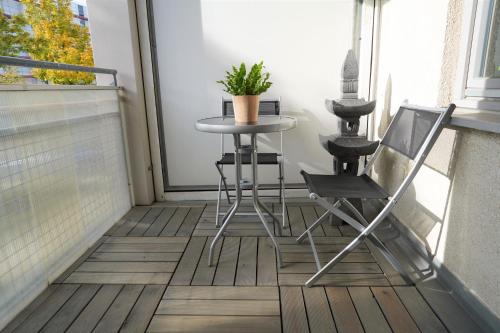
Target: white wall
{"x": 115, "y": 43}
{"x": 303, "y": 44}
{"x": 452, "y": 205}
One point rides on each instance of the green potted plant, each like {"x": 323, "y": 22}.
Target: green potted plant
{"x": 245, "y": 89}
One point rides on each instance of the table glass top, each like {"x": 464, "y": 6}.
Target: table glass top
{"x": 265, "y": 124}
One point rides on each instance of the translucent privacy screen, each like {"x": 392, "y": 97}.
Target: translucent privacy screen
{"x": 63, "y": 182}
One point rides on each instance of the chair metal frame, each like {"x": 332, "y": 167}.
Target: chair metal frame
{"x": 359, "y": 223}
{"x": 222, "y": 177}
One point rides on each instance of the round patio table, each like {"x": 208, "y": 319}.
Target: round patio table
{"x": 227, "y": 125}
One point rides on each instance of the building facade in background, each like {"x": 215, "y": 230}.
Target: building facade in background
{"x": 79, "y": 9}
{"x": 15, "y": 7}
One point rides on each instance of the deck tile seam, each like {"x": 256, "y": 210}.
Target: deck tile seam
{"x": 380, "y": 308}
{"x": 406, "y": 308}
{"x": 168, "y": 221}
{"x": 237, "y": 262}
{"x": 108, "y": 307}
{"x": 355, "y": 309}
{"x": 198, "y": 261}
{"x": 432, "y": 308}
{"x": 83, "y": 308}
{"x": 305, "y": 305}
{"x": 55, "y": 313}
{"x": 142, "y": 218}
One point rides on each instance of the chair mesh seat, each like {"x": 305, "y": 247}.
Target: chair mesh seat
{"x": 351, "y": 187}
{"x": 262, "y": 158}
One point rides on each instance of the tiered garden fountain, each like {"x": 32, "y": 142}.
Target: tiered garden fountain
{"x": 348, "y": 147}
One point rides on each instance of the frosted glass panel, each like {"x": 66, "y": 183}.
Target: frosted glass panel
{"x": 63, "y": 182}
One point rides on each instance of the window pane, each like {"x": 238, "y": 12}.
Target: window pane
{"x": 490, "y": 60}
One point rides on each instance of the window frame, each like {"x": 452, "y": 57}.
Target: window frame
{"x": 479, "y": 87}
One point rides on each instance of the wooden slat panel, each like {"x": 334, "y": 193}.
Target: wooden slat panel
{"x": 157, "y": 227}
{"x": 327, "y": 256}
{"x": 246, "y": 273}
{"x": 297, "y": 223}
{"x": 335, "y": 279}
{"x": 342, "y": 267}
{"x": 131, "y": 219}
{"x": 226, "y": 267}
{"x": 27, "y": 311}
{"x": 143, "y": 310}
{"x": 294, "y": 317}
{"x": 347, "y": 230}
{"x": 187, "y": 266}
{"x": 300, "y": 201}
{"x": 94, "y": 311}
{"x": 219, "y": 307}
{"x": 266, "y": 263}
{"x": 330, "y": 230}
{"x": 448, "y": 310}
{"x": 147, "y": 240}
{"x": 183, "y": 203}
{"x": 71, "y": 309}
{"x": 343, "y": 310}
{"x": 310, "y": 216}
{"x": 175, "y": 222}
{"x": 204, "y": 275}
{"x": 319, "y": 247}
{"x": 319, "y": 315}
{"x": 144, "y": 224}
{"x": 232, "y": 233}
{"x": 80, "y": 260}
{"x": 135, "y": 256}
{"x": 119, "y": 310}
{"x": 233, "y": 225}
{"x": 215, "y": 324}
{"x": 127, "y": 267}
{"x": 37, "y": 319}
{"x": 222, "y": 292}
{"x": 368, "y": 310}
{"x": 317, "y": 240}
{"x": 190, "y": 221}
{"x": 119, "y": 278}
{"x": 144, "y": 247}
{"x": 392, "y": 275}
{"x": 394, "y": 310}
{"x": 419, "y": 310}
{"x": 277, "y": 209}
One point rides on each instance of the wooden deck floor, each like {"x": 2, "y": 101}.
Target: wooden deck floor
{"x": 150, "y": 273}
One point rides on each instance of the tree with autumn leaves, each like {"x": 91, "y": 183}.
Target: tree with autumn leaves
{"x": 13, "y": 41}
{"x": 55, "y": 38}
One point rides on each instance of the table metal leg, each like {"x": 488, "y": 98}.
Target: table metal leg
{"x": 256, "y": 201}
{"x": 258, "y": 205}
{"x": 229, "y": 215}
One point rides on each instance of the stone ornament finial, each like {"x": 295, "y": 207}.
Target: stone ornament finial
{"x": 348, "y": 146}
{"x": 350, "y": 74}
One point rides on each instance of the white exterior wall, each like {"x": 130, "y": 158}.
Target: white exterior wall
{"x": 453, "y": 204}
{"x": 302, "y": 43}
{"x": 115, "y": 43}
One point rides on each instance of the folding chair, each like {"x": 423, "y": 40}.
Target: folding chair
{"x": 412, "y": 133}
{"x": 267, "y": 107}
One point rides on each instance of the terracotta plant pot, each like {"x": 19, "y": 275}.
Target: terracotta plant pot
{"x": 246, "y": 108}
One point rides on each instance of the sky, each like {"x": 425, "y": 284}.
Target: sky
{"x": 80, "y": 2}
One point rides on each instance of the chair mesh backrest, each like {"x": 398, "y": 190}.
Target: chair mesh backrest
{"x": 266, "y": 107}
{"x": 409, "y": 129}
